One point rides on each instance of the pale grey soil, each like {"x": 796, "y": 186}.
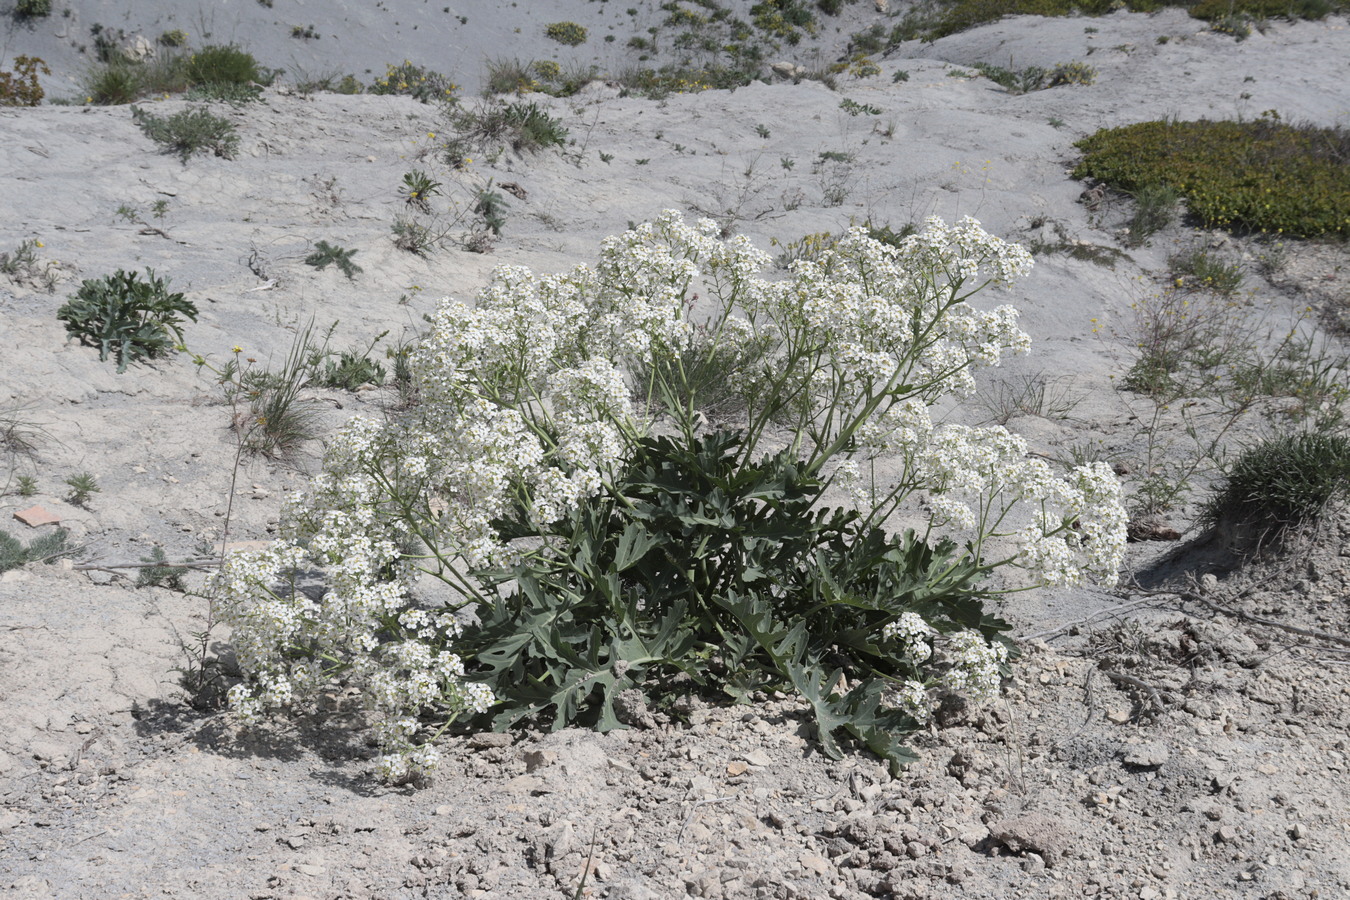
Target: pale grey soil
{"x": 1211, "y": 762}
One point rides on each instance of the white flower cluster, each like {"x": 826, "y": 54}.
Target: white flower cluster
{"x": 975, "y": 475}
{"x": 525, "y": 411}
{"x": 912, "y": 633}
{"x": 973, "y": 665}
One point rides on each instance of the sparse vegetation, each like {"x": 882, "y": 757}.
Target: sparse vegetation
{"x": 22, "y": 266}
{"x": 126, "y": 317}
{"x": 1155, "y": 207}
{"x": 1027, "y": 395}
{"x": 940, "y": 18}
{"x": 1200, "y": 268}
{"x": 523, "y": 127}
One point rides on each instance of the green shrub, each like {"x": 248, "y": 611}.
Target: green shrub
{"x": 569, "y": 33}
{"x": 20, "y": 87}
{"x": 1263, "y": 175}
{"x": 114, "y": 84}
{"x": 33, "y": 9}
{"x": 417, "y": 82}
{"x": 1072, "y": 73}
{"x": 127, "y": 317}
{"x": 1279, "y": 484}
{"x": 189, "y": 131}
{"x": 175, "y": 38}
{"x": 220, "y": 64}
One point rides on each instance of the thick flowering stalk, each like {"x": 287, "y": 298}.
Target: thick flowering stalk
{"x": 537, "y": 401}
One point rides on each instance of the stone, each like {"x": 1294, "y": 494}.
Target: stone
{"x": 758, "y": 758}
{"x": 1035, "y": 832}
{"x": 489, "y": 739}
{"x": 35, "y": 516}
{"x": 1149, "y": 755}
{"x": 538, "y": 759}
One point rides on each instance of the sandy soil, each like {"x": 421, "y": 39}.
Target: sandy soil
{"x": 1150, "y": 744}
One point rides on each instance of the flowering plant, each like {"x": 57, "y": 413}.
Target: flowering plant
{"x": 557, "y": 525}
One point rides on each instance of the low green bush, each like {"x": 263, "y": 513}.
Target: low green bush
{"x": 33, "y": 9}
{"x": 569, "y": 33}
{"x": 189, "y": 131}
{"x": 222, "y": 64}
{"x": 126, "y": 317}
{"x": 417, "y": 82}
{"x": 1264, "y": 175}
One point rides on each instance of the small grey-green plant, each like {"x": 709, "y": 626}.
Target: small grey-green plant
{"x": 348, "y": 369}
{"x": 854, "y": 108}
{"x": 1155, "y": 207}
{"x": 325, "y": 254}
{"x": 899, "y": 76}
{"x": 491, "y": 207}
{"x": 22, "y": 266}
{"x": 20, "y": 435}
{"x": 415, "y": 236}
{"x": 126, "y": 317}
{"x": 82, "y": 488}
{"x": 762, "y": 131}
{"x": 43, "y": 548}
{"x": 159, "y": 573}
{"x": 189, "y": 131}
{"x": 418, "y": 189}
{"x": 27, "y": 486}
{"x": 606, "y": 158}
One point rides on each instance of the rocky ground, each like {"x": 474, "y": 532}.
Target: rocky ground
{"x": 1187, "y": 739}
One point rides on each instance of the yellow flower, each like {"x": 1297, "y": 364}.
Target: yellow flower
{"x": 237, "y": 349}
{"x": 38, "y": 244}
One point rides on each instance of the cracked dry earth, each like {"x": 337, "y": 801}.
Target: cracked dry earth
{"x": 1164, "y": 748}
